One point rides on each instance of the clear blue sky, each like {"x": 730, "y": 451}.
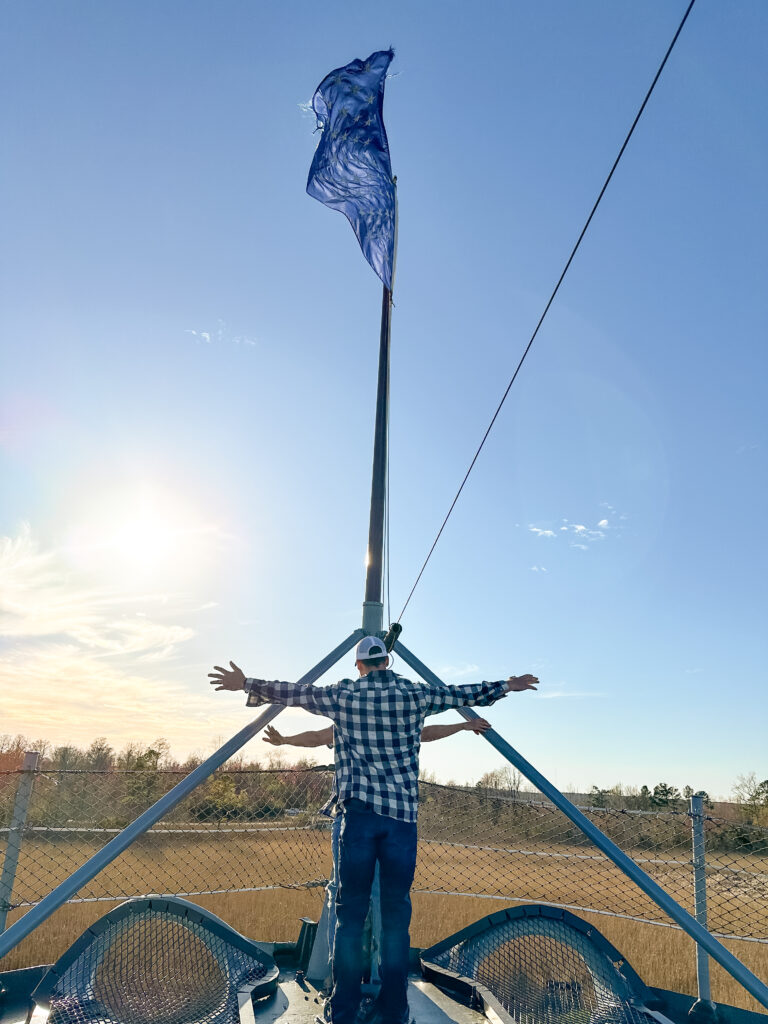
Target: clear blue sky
{"x": 189, "y": 350}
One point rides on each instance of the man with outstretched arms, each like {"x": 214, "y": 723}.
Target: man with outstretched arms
{"x": 377, "y": 723}
{"x": 324, "y": 738}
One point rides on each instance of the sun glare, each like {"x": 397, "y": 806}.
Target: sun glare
{"x": 148, "y": 538}
{"x": 143, "y": 533}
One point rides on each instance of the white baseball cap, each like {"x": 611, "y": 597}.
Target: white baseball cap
{"x": 370, "y": 648}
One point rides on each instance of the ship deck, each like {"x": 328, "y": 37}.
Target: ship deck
{"x": 296, "y": 1001}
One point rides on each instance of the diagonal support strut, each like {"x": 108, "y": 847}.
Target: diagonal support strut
{"x": 116, "y": 846}
{"x": 672, "y": 908}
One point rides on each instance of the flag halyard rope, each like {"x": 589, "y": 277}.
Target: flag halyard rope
{"x": 548, "y": 305}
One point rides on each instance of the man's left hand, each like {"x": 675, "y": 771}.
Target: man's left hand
{"x": 227, "y": 679}
{"x": 477, "y": 725}
{"x": 271, "y": 735}
{"x": 517, "y": 684}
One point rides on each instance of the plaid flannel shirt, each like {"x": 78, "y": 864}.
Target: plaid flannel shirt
{"x": 377, "y": 723}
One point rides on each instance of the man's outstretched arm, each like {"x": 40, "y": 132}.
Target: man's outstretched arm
{"x": 320, "y": 700}
{"x": 324, "y": 737}
{"x": 441, "y": 732}
{"x": 310, "y": 738}
{"x": 448, "y": 696}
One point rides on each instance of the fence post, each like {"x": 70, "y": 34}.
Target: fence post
{"x": 16, "y": 832}
{"x": 703, "y": 1009}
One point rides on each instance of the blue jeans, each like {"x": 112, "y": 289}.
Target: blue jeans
{"x": 366, "y": 838}
{"x": 375, "y": 906}
{"x": 333, "y": 883}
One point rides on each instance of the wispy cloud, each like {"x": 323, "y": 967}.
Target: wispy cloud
{"x": 560, "y": 691}
{"x": 581, "y": 535}
{"x": 222, "y": 335}
{"x": 69, "y": 697}
{"x": 40, "y": 598}
{"x": 84, "y": 660}
{"x": 621, "y": 517}
{"x": 69, "y": 684}
{"x": 538, "y": 568}
{"x": 458, "y": 671}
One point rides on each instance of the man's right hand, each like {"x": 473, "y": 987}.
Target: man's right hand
{"x": 232, "y": 678}
{"x": 516, "y": 684}
{"x": 271, "y": 735}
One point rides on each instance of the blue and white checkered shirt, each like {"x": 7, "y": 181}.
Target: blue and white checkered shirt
{"x": 377, "y": 723}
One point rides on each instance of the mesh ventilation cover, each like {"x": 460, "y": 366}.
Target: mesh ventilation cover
{"x": 155, "y": 962}
{"x": 539, "y": 965}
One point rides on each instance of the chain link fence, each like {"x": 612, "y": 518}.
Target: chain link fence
{"x": 250, "y": 830}
{"x": 238, "y": 832}
{"x": 480, "y": 843}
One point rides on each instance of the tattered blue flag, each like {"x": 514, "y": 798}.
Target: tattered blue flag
{"x": 351, "y": 170}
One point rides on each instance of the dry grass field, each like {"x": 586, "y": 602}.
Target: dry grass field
{"x": 241, "y": 859}
{"x": 662, "y": 956}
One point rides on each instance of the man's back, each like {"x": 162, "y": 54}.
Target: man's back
{"x": 378, "y": 720}
{"x": 377, "y": 735}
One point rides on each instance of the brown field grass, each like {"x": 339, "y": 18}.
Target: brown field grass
{"x": 663, "y": 957}
{"x": 737, "y": 903}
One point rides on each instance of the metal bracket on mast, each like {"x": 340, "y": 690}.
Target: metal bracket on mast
{"x": 373, "y": 617}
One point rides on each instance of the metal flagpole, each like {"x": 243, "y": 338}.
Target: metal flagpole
{"x": 373, "y": 603}
{"x": 351, "y": 172}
